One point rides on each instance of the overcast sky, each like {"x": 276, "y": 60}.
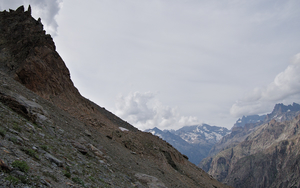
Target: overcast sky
{"x": 170, "y": 63}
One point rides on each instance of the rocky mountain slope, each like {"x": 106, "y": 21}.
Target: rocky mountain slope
{"x": 51, "y": 136}
{"x": 193, "y": 141}
{"x": 247, "y": 124}
{"x": 268, "y": 156}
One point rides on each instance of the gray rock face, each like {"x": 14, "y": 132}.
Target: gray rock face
{"x": 29, "y": 109}
{"x": 150, "y": 181}
{"x": 54, "y": 159}
{"x": 81, "y": 148}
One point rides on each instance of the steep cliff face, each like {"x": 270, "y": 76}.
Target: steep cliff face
{"x": 64, "y": 137}
{"x": 268, "y": 157}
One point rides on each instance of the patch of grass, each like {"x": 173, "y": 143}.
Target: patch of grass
{"x": 37, "y": 126}
{"x": 12, "y": 180}
{"x": 17, "y": 127}
{"x": 78, "y": 181}
{"x": 2, "y": 132}
{"x": 24, "y": 179}
{"x": 31, "y": 153}
{"x": 92, "y": 178}
{"x": 67, "y": 172}
{"x": 102, "y": 180}
{"x": 36, "y": 178}
{"x": 13, "y": 139}
{"x": 45, "y": 147}
{"x": 21, "y": 165}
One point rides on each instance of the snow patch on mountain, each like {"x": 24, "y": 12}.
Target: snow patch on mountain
{"x": 194, "y": 141}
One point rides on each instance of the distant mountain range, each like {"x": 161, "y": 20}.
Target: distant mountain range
{"x": 259, "y": 152}
{"x": 193, "y": 141}
{"x": 261, "y": 141}
{"x": 248, "y": 124}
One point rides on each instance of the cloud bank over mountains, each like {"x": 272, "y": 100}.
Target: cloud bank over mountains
{"x": 201, "y": 56}
{"x": 47, "y": 10}
{"x": 284, "y": 89}
{"x": 144, "y": 111}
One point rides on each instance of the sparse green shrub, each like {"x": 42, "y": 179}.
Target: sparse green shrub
{"x": 78, "y": 181}
{"x": 44, "y": 147}
{"x": 21, "y": 165}
{"x": 31, "y": 153}
{"x": 2, "y": 132}
{"x": 67, "y": 172}
{"x": 92, "y": 178}
{"x": 17, "y": 127}
{"x": 102, "y": 180}
{"x": 12, "y": 180}
{"x": 14, "y": 139}
{"x": 24, "y": 179}
{"x": 37, "y": 126}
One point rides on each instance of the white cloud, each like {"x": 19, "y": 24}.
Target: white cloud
{"x": 284, "y": 88}
{"x": 143, "y": 111}
{"x": 45, "y": 9}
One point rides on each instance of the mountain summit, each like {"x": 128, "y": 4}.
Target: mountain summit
{"x": 241, "y": 122}
{"x": 51, "y": 136}
{"x": 194, "y": 141}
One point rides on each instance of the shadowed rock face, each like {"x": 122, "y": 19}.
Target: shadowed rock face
{"x": 64, "y": 138}
{"x": 29, "y": 56}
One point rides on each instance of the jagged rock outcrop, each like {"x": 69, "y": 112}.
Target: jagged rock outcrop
{"x": 267, "y": 157}
{"x": 28, "y": 55}
{"x": 241, "y": 122}
{"x": 283, "y": 112}
{"x": 52, "y": 136}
